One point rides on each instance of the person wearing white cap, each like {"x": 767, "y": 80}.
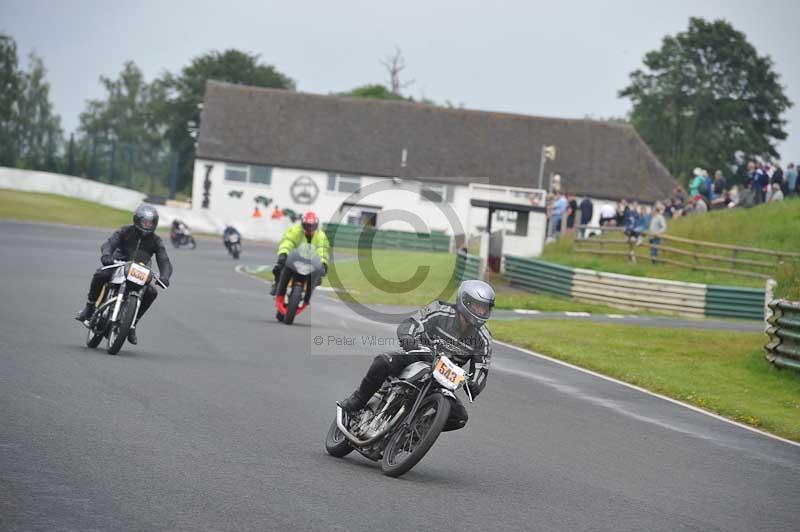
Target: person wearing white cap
{"x": 694, "y": 186}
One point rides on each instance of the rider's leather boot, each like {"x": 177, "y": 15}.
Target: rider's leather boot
{"x": 87, "y": 312}
{"x": 354, "y": 402}
{"x": 132, "y": 336}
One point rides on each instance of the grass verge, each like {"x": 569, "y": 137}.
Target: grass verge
{"x": 720, "y": 371}
{"x": 39, "y": 207}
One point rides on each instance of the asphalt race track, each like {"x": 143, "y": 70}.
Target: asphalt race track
{"x": 216, "y": 422}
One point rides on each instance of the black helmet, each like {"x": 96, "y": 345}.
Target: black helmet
{"x": 145, "y": 219}
{"x": 474, "y": 301}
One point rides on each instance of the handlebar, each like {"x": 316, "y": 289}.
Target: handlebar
{"x": 118, "y": 263}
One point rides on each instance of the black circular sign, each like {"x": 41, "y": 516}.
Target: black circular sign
{"x": 304, "y": 190}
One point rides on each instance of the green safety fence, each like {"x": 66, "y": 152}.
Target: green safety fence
{"x": 355, "y": 236}
{"x": 735, "y": 302}
{"x": 783, "y": 347}
{"x": 467, "y": 266}
{"x": 718, "y": 301}
{"x": 539, "y": 276}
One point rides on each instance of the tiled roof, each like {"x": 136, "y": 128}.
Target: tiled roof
{"x": 367, "y": 137}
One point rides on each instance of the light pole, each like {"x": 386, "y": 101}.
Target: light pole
{"x": 548, "y": 152}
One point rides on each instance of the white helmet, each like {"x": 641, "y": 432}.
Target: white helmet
{"x": 474, "y": 301}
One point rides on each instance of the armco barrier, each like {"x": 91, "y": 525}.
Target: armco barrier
{"x": 734, "y": 302}
{"x": 627, "y": 291}
{"x": 783, "y": 347}
{"x": 467, "y": 266}
{"x": 353, "y": 236}
{"x": 539, "y": 275}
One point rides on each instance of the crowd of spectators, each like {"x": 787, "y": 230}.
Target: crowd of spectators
{"x": 764, "y": 183}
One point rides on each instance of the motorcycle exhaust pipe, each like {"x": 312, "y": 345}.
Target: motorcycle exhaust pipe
{"x": 363, "y": 443}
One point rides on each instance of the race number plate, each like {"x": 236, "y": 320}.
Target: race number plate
{"x": 138, "y": 274}
{"x": 448, "y": 374}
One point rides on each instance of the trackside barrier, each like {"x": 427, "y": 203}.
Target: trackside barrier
{"x": 354, "y": 236}
{"x": 627, "y": 291}
{"x": 783, "y": 347}
{"x": 467, "y": 266}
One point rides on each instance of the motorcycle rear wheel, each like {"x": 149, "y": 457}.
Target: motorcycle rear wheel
{"x": 409, "y": 444}
{"x": 335, "y": 443}
{"x": 118, "y": 332}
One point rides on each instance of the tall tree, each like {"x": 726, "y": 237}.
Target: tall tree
{"x": 127, "y": 127}
{"x": 9, "y": 95}
{"x": 38, "y": 130}
{"x": 182, "y": 110}
{"x": 394, "y": 65}
{"x": 30, "y": 131}
{"x": 706, "y": 98}
{"x": 126, "y": 112}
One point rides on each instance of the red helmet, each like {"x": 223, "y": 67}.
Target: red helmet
{"x": 310, "y": 223}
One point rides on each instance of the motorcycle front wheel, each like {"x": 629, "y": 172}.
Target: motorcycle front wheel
{"x": 94, "y": 336}
{"x": 335, "y": 442}
{"x": 409, "y": 444}
{"x": 118, "y": 332}
{"x": 295, "y": 296}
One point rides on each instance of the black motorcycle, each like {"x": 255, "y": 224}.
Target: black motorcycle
{"x": 298, "y": 279}
{"x": 402, "y": 421}
{"x": 121, "y": 302}
{"x": 233, "y": 243}
{"x": 182, "y": 238}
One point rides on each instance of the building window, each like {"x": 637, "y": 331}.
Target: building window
{"x": 521, "y": 223}
{"x": 236, "y": 173}
{"x": 437, "y": 193}
{"x": 261, "y": 175}
{"x": 344, "y": 183}
{"x": 241, "y": 173}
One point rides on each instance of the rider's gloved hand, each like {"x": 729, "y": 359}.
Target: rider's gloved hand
{"x": 276, "y": 270}
{"x": 106, "y": 260}
{"x": 165, "y": 280}
{"x": 408, "y": 342}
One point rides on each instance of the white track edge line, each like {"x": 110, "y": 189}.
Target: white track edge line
{"x": 648, "y": 392}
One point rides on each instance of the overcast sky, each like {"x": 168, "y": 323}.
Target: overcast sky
{"x": 557, "y": 58}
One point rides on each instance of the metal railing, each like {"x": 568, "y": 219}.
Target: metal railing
{"x": 682, "y": 252}
{"x": 783, "y": 347}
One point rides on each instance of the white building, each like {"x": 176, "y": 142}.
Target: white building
{"x": 405, "y": 166}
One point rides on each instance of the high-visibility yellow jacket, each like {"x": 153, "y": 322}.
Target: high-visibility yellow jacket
{"x": 294, "y": 236}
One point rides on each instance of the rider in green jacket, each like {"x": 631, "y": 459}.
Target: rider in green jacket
{"x": 306, "y": 231}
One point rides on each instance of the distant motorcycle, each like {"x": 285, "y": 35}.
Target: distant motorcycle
{"x": 402, "y": 421}
{"x": 182, "y": 238}
{"x": 121, "y": 302}
{"x": 233, "y": 243}
{"x": 298, "y": 279}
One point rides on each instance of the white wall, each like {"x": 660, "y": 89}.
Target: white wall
{"x": 73, "y": 187}
{"x": 128, "y": 200}
{"x": 532, "y": 244}
{"x": 328, "y": 204}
